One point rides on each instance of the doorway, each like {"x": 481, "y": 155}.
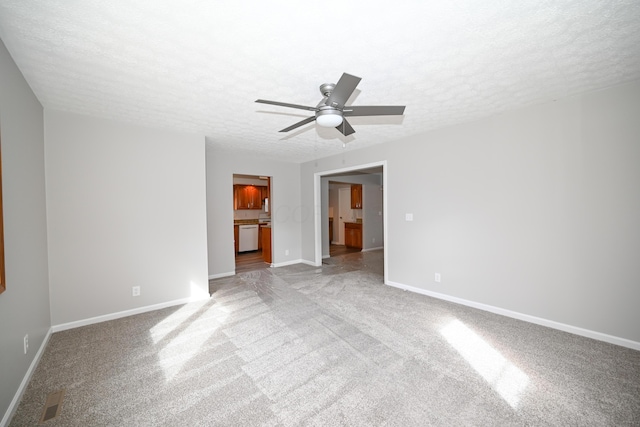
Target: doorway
{"x": 251, "y": 222}
{"x": 369, "y": 213}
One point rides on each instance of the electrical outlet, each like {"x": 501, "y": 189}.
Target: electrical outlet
{"x": 286, "y": 252}
{"x": 437, "y": 278}
{"x": 408, "y": 217}
{"x": 135, "y": 291}
{"x": 26, "y": 343}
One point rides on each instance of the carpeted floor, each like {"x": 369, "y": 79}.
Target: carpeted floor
{"x": 330, "y": 346}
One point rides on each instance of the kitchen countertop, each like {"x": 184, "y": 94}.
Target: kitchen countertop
{"x": 248, "y": 221}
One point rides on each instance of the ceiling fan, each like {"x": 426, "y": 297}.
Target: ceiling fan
{"x": 331, "y": 111}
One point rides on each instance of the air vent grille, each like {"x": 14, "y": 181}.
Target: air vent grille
{"x": 53, "y": 406}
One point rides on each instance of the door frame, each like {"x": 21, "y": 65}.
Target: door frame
{"x": 317, "y": 212}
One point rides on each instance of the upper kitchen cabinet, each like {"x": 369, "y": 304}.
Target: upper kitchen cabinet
{"x": 356, "y": 196}
{"x": 247, "y": 197}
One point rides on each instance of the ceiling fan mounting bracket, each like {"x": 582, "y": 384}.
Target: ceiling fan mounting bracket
{"x": 326, "y": 89}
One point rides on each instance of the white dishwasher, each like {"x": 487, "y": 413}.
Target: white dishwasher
{"x": 248, "y": 235}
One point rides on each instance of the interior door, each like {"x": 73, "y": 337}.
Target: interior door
{"x": 344, "y": 211}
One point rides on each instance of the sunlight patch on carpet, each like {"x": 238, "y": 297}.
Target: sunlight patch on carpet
{"x": 505, "y": 378}
{"x": 182, "y": 336}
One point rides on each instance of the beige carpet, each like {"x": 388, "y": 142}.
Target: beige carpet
{"x": 330, "y": 346}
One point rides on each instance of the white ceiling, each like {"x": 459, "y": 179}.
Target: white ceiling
{"x": 198, "y": 66}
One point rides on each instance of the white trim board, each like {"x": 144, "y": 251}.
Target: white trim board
{"x": 292, "y": 262}
{"x": 13, "y": 406}
{"x": 311, "y": 263}
{"x": 525, "y": 317}
{"x": 220, "y": 275}
{"x": 120, "y": 314}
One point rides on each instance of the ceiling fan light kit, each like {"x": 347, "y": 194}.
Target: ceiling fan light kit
{"x": 330, "y": 112}
{"x": 329, "y": 117}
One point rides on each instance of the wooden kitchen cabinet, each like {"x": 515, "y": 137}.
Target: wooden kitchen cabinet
{"x": 356, "y": 196}
{"x": 260, "y": 237}
{"x": 236, "y": 238}
{"x": 266, "y": 244}
{"x": 353, "y": 235}
{"x": 247, "y": 197}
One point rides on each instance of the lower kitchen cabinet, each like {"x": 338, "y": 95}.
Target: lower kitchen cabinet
{"x": 236, "y": 238}
{"x": 353, "y": 235}
{"x": 266, "y": 244}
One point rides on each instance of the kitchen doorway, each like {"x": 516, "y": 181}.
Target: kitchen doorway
{"x": 252, "y": 222}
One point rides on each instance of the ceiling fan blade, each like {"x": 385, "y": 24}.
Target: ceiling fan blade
{"x": 343, "y": 90}
{"x": 345, "y": 128}
{"x": 374, "y": 110}
{"x": 284, "y": 104}
{"x": 300, "y": 123}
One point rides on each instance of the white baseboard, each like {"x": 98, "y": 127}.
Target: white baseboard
{"x": 282, "y": 264}
{"x": 13, "y": 406}
{"x": 273, "y": 265}
{"x": 373, "y": 249}
{"x": 118, "y": 315}
{"x": 219, "y": 275}
{"x": 526, "y": 317}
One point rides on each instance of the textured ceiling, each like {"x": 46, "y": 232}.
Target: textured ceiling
{"x": 198, "y": 66}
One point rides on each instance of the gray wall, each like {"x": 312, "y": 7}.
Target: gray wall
{"x": 534, "y": 211}
{"x": 24, "y": 306}
{"x": 126, "y": 207}
{"x": 286, "y": 211}
{"x": 372, "y": 218}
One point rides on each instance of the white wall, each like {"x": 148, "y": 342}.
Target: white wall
{"x": 126, "y": 207}
{"x": 24, "y": 306}
{"x": 286, "y": 211}
{"x": 534, "y": 211}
